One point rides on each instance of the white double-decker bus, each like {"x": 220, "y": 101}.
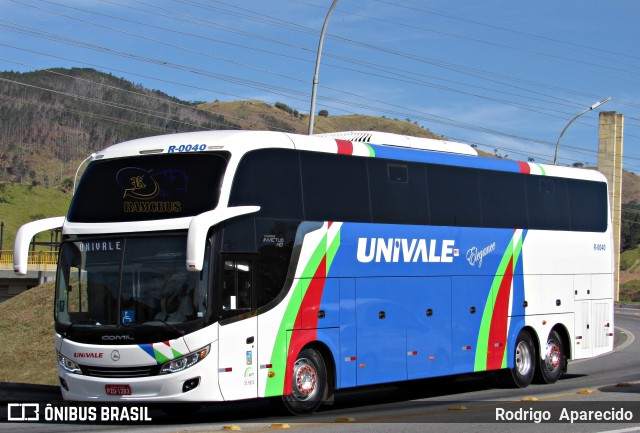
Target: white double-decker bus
{"x": 227, "y": 265}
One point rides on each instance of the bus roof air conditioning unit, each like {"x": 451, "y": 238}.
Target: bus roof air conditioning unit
{"x": 397, "y": 140}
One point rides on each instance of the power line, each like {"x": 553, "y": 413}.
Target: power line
{"x": 508, "y": 30}
{"x": 490, "y": 43}
{"x": 518, "y": 105}
{"x": 398, "y": 109}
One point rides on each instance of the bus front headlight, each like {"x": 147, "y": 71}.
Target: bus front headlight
{"x": 185, "y": 362}
{"x": 68, "y": 365}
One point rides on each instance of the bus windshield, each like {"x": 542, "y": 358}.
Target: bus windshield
{"x": 128, "y": 282}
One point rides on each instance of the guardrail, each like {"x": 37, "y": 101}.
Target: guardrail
{"x": 38, "y": 260}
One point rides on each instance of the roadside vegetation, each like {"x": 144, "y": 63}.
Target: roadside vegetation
{"x": 26, "y": 338}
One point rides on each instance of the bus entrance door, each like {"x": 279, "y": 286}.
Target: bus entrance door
{"x": 238, "y": 334}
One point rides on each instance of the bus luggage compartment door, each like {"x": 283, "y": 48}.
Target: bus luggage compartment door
{"x": 381, "y": 331}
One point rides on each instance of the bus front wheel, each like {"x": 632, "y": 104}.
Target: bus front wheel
{"x": 524, "y": 365}
{"x": 552, "y": 364}
{"x": 308, "y": 383}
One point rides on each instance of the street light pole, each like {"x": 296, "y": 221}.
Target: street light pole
{"x": 315, "y": 76}
{"x": 593, "y": 107}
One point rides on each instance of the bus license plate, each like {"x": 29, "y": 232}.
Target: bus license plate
{"x": 118, "y": 389}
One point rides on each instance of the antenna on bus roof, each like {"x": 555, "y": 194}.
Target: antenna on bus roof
{"x": 398, "y": 140}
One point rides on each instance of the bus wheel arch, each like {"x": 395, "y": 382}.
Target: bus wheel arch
{"x": 312, "y": 380}
{"x": 554, "y": 355}
{"x": 330, "y": 366}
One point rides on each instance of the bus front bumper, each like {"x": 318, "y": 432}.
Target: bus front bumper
{"x": 194, "y": 384}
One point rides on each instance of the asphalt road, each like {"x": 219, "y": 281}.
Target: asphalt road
{"x": 609, "y": 384}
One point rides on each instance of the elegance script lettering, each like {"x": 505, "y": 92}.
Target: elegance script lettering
{"x": 474, "y": 255}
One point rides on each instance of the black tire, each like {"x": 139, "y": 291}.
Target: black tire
{"x": 308, "y": 383}
{"x": 524, "y": 363}
{"x": 553, "y": 361}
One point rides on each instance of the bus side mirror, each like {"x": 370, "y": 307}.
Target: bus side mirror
{"x": 23, "y": 239}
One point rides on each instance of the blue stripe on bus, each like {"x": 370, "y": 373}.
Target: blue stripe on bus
{"x": 399, "y": 153}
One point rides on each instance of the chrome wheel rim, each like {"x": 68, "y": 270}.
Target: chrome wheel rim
{"x": 523, "y": 359}
{"x": 305, "y": 380}
{"x": 553, "y": 356}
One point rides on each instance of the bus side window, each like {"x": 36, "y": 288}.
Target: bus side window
{"x": 587, "y": 205}
{"x": 548, "y": 203}
{"x": 454, "y": 198}
{"x": 398, "y": 192}
{"x": 269, "y": 178}
{"x": 236, "y": 285}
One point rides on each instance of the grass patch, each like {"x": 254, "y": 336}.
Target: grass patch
{"x": 20, "y": 204}
{"x": 630, "y": 259}
{"x": 27, "y": 337}
{"x": 630, "y": 291}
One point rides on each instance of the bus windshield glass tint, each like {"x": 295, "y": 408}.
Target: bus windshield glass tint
{"x": 149, "y": 187}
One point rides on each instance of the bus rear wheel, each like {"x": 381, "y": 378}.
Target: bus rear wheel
{"x": 552, "y": 365}
{"x": 308, "y": 383}
{"x": 524, "y": 366}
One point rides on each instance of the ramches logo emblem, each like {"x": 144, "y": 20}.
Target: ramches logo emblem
{"x": 394, "y": 250}
{"x": 149, "y": 191}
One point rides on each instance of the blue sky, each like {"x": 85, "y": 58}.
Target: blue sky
{"x": 505, "y": 75}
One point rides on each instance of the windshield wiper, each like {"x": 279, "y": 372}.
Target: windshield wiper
{"x": 178, "y": 331}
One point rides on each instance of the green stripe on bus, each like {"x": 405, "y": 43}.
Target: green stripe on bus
{"x": 372, "y": 153}
{"x": 332, "y": 250}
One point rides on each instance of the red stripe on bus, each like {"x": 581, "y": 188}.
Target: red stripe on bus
{"x": 309, "y": 310}
{"x": 524, "y": 167}
{"x": 499, "y": 319}
{"x": 344, "y": 147}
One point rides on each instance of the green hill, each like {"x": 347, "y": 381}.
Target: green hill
{"x": 260, "y": 115}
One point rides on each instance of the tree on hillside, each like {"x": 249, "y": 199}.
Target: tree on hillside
{"x": 630, "y": 230}
{"x": 284, "y": 107}
{"x": 323, "y": 113}
{"x": 67, "y": 185}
